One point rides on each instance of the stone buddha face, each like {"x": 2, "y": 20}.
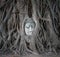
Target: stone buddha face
{"x": 29, "y": 27}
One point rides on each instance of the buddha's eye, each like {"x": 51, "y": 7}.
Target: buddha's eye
{"x": 32, "y": 26}
{"x": 27, "y": 27}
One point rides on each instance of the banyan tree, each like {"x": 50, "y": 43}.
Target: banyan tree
{"x": 29, "y": 26}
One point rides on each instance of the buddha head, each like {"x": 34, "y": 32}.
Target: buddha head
{"x": 29, "y": 26}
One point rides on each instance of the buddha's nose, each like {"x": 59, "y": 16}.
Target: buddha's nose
{"x": 30, "y": 28}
